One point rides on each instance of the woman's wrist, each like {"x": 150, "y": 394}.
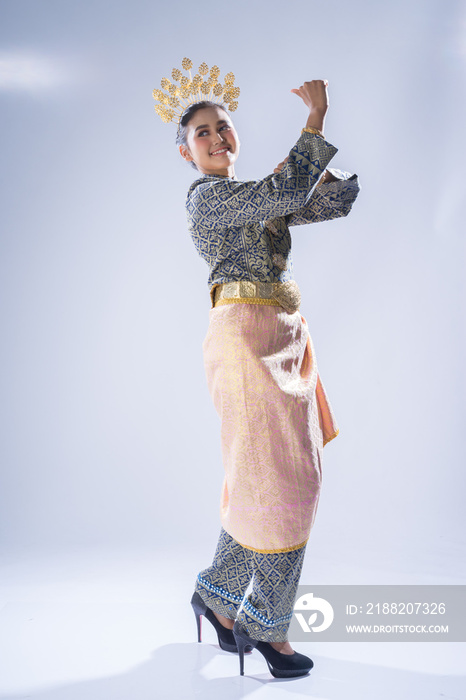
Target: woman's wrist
{"x": 312, "y": 130}
{"x": 316, "y": 120}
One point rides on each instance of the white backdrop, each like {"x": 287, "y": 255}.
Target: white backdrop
{"x": 108, "y": 435}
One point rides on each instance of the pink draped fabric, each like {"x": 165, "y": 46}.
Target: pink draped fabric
{"x": 275, "y": 419}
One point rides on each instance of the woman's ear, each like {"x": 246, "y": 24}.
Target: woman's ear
{"x": 184, "y": 151}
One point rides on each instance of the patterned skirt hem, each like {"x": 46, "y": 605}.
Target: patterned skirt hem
{"x": 256, "y": 625}
{"x": 217, "y": 599}
{"x": 262, "y": 631}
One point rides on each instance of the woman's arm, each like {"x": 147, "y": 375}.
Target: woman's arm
{"x": 214, "y": 201}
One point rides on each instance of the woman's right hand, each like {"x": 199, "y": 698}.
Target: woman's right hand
{"x": 315, "y": 95}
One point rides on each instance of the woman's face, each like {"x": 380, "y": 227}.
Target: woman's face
{"x": 212, "y": 142}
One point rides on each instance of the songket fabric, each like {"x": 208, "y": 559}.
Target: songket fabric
{"x": 265, "y": 613}
{"x": 242, "y": 228}
{"x": 275, "y": 419}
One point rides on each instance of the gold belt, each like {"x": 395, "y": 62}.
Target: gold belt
{"x": 285, "y": 294}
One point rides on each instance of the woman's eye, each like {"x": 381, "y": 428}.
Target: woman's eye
{"x": 203, "y": 133}
{"x": 225, "y": 126}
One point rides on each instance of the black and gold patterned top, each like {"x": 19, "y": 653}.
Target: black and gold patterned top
{"x": 240, "y": 228}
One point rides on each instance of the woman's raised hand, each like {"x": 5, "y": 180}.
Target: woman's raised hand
{"x": 281, "y": 165}
{"x": 315, "y": 95}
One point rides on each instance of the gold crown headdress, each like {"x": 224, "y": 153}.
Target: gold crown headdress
{"x": 204, "y": 86}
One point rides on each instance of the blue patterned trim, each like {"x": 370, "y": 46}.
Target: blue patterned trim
{"x": 219, "y": 591}
{"x": 246, "y": 604}
{"x": 264, "y": 620}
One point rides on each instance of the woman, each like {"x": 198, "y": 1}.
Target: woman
{"x": 261, "y": 372}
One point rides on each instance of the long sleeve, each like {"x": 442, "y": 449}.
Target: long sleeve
{"x": 215, "y": 202}
{"x": 328, "y": 201}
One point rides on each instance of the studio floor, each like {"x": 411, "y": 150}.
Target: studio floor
{"x": 102, "y": 624}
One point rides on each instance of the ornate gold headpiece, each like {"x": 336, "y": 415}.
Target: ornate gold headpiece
{"x": 204, "y": 86}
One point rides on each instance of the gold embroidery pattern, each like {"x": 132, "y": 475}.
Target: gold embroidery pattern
{"x": 285, "y": 294}
{"x": 241, "y": 300}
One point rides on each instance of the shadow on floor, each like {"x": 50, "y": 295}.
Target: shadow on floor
{"x": 189, "y": 671}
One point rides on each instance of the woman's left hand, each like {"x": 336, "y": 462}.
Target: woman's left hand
{"x": 280, "y": 165}
{"x": 326, "y": 177}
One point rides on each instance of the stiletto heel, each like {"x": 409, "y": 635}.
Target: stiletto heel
{"x": 243, "y": 642}
{"x": 226, "y": 639}
{"x": 199, "y": 608}
{"x": 280, "y": 665}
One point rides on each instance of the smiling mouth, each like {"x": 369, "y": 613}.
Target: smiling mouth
{"x": 220, "y": 151}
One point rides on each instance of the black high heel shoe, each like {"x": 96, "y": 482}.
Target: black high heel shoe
{"x": 226, "y": 639}
{"x": 280, "y": 665}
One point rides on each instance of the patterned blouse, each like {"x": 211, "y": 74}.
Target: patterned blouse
{"x": 240, "y": 228}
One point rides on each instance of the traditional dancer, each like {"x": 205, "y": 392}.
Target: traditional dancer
{"x": 259, "y": 358}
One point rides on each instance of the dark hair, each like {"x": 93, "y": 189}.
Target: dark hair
{"x": 188, "y": 114}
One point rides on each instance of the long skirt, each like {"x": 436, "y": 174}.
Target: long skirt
{"x": 275, "y": 419}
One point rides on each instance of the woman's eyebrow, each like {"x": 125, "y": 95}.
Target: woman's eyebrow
{"x": 206, "y": 126}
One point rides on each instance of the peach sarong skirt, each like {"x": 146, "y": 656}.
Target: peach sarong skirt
{"x": 275, "y": 419}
